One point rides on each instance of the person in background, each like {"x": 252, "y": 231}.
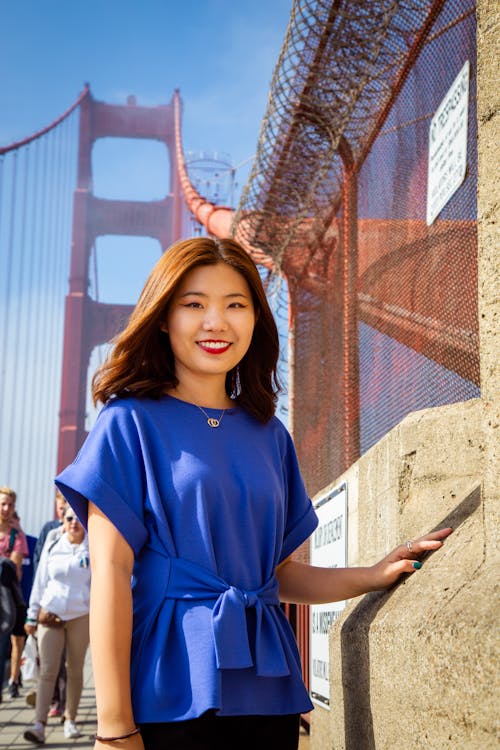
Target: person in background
{"x": 195, "y": 503}
{"x": 52, "y": 530}
{"x": 13, "y": 545}
{"x": 54, "y": 526}
{"x": 58, "y": 612}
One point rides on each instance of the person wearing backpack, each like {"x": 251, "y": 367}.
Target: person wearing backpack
{"x": 13, "y": 544}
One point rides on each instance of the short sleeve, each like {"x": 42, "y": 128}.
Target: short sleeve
{"x": 109, "y": 471}
{"x": 301, "y": 517}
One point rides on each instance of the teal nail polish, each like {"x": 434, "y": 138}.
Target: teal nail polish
{"x": 417, "y": 565}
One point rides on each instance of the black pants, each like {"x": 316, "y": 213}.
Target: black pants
{"x": 211, "y": 732}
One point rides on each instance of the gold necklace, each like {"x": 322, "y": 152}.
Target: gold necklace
{"x": 212, "y": 421}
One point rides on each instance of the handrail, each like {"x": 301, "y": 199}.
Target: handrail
{"x": 216, "y": 219}
{"x": 43, "y": 131}
{"x": 201, "y": 209}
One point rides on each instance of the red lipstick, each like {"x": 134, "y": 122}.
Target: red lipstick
{"x": 213, "y": 346}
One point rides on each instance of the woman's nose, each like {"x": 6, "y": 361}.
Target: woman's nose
{"x": 214, "y": 320}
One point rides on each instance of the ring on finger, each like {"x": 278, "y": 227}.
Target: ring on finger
{"x": 409, "y": 546}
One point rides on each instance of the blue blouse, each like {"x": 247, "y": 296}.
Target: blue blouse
{"x": 209, "y": 514}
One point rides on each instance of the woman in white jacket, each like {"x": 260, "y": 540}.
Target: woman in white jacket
{"x": 58, "y": 609}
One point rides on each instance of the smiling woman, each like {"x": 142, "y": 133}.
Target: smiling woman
{"x": 210, "y": 323}
{"x": 190, "y": 483}
{"x": 204, "y": 287}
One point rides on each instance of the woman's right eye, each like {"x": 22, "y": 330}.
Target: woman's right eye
{"x": 196, "y": 305}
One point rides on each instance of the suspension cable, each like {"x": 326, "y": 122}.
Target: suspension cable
{"x": 24, "y": 142}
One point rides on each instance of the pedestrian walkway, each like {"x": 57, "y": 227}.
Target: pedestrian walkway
{"x": 15, "y": 716}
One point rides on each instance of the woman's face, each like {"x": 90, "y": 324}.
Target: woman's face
{"x": 61, "y": 506}
{"x": 210, "y": 321}
{"x": 7, "y": 507}
{"x": 73, "y": 528}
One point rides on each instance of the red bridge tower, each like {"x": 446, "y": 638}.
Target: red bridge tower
{"x": 89, "y": 323}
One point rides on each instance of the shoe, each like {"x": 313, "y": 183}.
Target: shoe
{"x": 13, "y": 689}
{"x": 31, "y": 698}
{"x": 71, "y": 731}
{"x": 54, "y": 711}
{"x": 36, "y": 733}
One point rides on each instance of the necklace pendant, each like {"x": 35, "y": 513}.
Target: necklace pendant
{"x": 213, "y": 422}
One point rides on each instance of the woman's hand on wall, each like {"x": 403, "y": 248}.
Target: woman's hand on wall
{"x": 405, "y": 559}
{"x": 306, "y": 584}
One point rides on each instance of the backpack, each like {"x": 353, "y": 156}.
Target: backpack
{"x": 8, "y": 604}
{"x": 14, "y": 584}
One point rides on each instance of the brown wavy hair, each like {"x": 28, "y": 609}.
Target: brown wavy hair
{"x": 141, "y": 362}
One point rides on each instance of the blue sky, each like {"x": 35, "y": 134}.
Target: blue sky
{"x": 220, "y": 53}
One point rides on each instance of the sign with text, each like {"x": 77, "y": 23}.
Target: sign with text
{"x": 328, "y": 550}
{"x": 448, "y": 145}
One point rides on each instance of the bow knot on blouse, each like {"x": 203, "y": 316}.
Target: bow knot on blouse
{"x": 232, "y": 645}
{"x": 250, "y": 598}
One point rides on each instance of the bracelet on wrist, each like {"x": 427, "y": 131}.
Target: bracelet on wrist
{"x": 120, "y": 737}
{"x": 30, "y": 621}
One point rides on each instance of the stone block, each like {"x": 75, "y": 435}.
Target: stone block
{"x": 416, "y": 666}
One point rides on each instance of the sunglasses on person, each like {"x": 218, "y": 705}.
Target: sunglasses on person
{"x": 70, "y": 519}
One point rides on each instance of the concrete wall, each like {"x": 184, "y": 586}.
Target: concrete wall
{"x": 418, "y": 666}
{"x": 488, "y": 114}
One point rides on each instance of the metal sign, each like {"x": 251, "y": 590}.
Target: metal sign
{"x": 328, "y": 550}
{"x": 448, "y": 145}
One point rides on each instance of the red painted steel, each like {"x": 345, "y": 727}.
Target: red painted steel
{"x": 218, "y": 220}
{"x": 87, "y": 322}
{"x": 302, "y": 635}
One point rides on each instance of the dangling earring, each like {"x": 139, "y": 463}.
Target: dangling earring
{"x": 237, "y": 381}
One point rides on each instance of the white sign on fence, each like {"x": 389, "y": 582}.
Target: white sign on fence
{"x": 328, "y": 550}
{"x": 448, "y": 145}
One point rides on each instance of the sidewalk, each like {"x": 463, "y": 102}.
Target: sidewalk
{"x": 15, "y": 716}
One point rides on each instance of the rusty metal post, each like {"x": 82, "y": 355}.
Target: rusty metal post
{"x": 349, "y": 284}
